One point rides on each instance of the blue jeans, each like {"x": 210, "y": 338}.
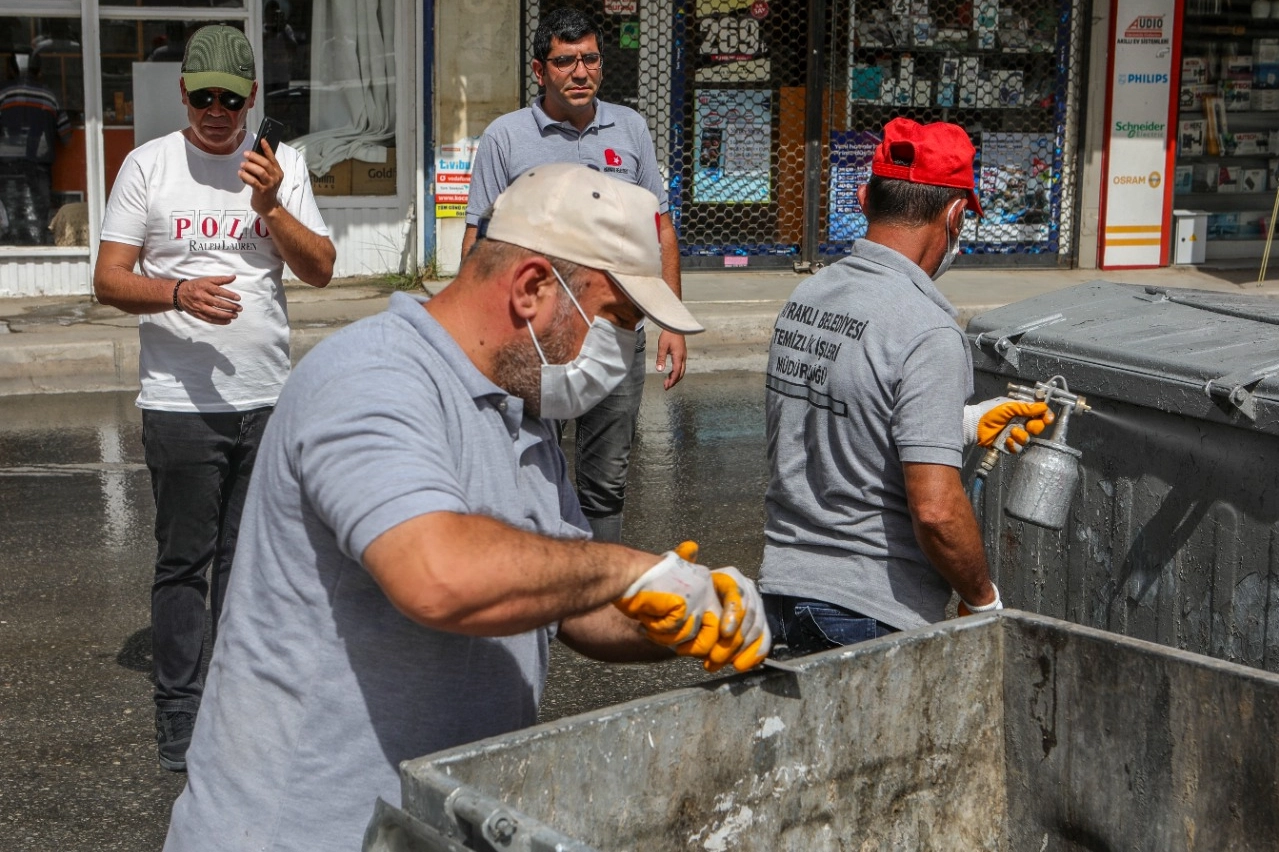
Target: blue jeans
{"x": 806, "y": 626}
{"x": 200, "y": 466}
{"x": 604, "y": 437}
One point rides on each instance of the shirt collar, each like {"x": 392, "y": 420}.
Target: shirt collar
{"x": 603, "y": 117}
{"x": 478, "y": 386}
{"x": 884, "y": 256}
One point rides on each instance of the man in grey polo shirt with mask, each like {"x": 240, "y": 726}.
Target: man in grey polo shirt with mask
{"x": 411, "y": 544}
{"x": 569, "y": 124}
{"x": 868, "y": 527}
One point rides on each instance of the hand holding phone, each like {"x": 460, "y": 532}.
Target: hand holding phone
{"x": 270, "y": 130}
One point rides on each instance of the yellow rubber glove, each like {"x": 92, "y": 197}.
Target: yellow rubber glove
{"x": 744, "y": 638}
{"x": 984, "y": 422}
{"x": 677, "y": 604}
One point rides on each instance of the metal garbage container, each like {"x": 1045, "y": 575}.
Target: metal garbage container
{"x": 1173, "y": 532}
{"x": 1004, "y": 731}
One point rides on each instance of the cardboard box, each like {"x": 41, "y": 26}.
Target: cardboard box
{"x": 1265, "y": 49}
{"x": 1252, "y": 180}
{"x": 1249, "y": 142}
{"x": 945, "y": 94}
{"x": 867, "y": 80}
{"x": 1237, "y": 67}
{"x": 921, "y": 28}
{"x": 336, "y": 182}
{"x": 1237, "y": 94}
{"x": 1192, "y": 96}
{"x": 1228, "y": 178}
{"x": 1183, "y": 179}
{"x": 1190, "y": 137}
{"x": 1266, "y": 100}
{"x": 374, "y": 178}
{"x": 1194, "y": 69}
{"x": 1205, "y": 177}
{"x": 923, "y": 93}
{"x": 1223, "y": 226}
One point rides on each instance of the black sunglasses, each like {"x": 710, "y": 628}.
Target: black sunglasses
{"x": 203, "y": 99}
{"x": 591, "y": 61}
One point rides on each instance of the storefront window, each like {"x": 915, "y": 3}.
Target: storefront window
{"x": 42, "y": 163}
{"x": 328, "y": 72}
{"x": 141, "y": 101}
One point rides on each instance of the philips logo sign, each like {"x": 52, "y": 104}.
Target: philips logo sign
{"x": 1156, "y": 79}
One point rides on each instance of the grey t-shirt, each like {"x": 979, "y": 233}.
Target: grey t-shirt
{"x": 867, "y": 369}
{"x": 318, "y": 686}
{"x": 617, "y": 142}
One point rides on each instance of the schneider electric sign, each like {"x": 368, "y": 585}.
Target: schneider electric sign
{"x": 1136, "y": 208}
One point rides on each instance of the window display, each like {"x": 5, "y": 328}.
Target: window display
{"x": 1228, "y": 122}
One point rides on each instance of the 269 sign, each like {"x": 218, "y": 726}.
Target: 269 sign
{"x": 729, "y": 38}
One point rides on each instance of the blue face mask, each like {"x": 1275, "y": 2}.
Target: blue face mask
{"x": 570, "y": 390}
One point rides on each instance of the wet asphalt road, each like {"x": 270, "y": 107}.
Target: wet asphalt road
{"x": 77, "y": 754}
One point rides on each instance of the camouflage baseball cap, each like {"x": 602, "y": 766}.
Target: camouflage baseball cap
{"x": 219, "y": 57}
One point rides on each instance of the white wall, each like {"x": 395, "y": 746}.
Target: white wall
{"x": 1094, "y": 136}
{"x": 477, "y": 79}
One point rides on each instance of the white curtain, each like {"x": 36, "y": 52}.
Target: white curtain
{"x": 352, "y": 83}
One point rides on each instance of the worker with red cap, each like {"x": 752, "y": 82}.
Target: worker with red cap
{"x": 868, "y": 528}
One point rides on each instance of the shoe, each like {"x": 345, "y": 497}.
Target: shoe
{"x": 173, "y": 736}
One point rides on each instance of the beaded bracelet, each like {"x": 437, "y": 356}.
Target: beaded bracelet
{"x": 177, "y": 307}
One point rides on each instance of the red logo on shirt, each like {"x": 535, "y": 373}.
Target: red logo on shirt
{"x": 612, "y": 158}
{"x": 657, "y": 220}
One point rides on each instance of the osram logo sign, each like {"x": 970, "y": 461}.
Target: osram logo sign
{"x": 215, "y": 224}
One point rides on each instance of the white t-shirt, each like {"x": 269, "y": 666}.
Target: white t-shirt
{"x": 189, "y": 212}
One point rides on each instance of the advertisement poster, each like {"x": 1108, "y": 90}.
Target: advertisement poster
{"x": 733, "y": 138}
{"x": 851, "y": 152}
{"x": 730, "y": 42}
{"x": 1137, "y": 182}
{"x": 453, "y": 177}
{"x": 1014, "y": 183}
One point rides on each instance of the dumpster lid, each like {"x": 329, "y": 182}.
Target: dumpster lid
{"x": 1194, "y": 352}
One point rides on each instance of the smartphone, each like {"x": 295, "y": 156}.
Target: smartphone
{"x": 270, "y": 130}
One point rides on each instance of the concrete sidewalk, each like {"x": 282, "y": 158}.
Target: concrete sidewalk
{"x": 73, "y": 344}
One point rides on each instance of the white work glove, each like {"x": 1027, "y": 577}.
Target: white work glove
{"x": 677, "y": 603}
{"x": 751, "y": 639}
{"x": 985, "y": 421}
{"x": 965, "y": 608}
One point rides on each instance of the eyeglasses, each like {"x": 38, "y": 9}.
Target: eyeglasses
{"x": 203, "y": 99}
{"x": 591, "y": 61}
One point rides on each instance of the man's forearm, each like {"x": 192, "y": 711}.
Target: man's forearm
{"x": 479, "y": 576}
{"x": 132, "y": 293}
{"x": 947, "y": 531}
{"x": 670, "y": 255}
{"x": 308, "y": 254}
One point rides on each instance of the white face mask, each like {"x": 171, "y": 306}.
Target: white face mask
{"x": 952, "y": 251}
{"x": 570, "y": 390}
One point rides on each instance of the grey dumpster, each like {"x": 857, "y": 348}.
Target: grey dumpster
{"x": 1005, "y": 731}
{"x": 1173, "y": 533}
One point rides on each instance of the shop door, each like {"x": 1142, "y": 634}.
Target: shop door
{"x": 763, "y": 167}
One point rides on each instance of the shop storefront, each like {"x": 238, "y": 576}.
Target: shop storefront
{"x": 765, "y": 140}
{"x": 342, "y": 75}
{"x": 1193, "y": 150}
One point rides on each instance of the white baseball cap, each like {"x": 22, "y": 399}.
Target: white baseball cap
{"x": 577, "y": 213}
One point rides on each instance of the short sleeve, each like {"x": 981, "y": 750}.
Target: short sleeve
{"x": 125, "y": 220}
{"x": 370, "y": 459}
{"x": 488, "y": 178}
{"x": 650, "y": 176}
{"x": 300, "y": 199}
{"x": 929, "y": 400}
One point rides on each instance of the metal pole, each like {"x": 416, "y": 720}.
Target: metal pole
{"x": 814, "y": 93}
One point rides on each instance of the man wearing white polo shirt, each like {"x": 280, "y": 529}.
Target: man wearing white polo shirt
{"x": 569, "y": 124}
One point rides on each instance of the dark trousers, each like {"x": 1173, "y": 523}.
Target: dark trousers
{"x": 200, "y": 466}
{"x": 806, "y": 626}
{"x": 604, "y": 437}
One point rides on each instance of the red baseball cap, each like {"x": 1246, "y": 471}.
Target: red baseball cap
{"x": 939, "y": 154}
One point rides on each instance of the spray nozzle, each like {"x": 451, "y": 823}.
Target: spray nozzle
{"x": 1057, "y": 395}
